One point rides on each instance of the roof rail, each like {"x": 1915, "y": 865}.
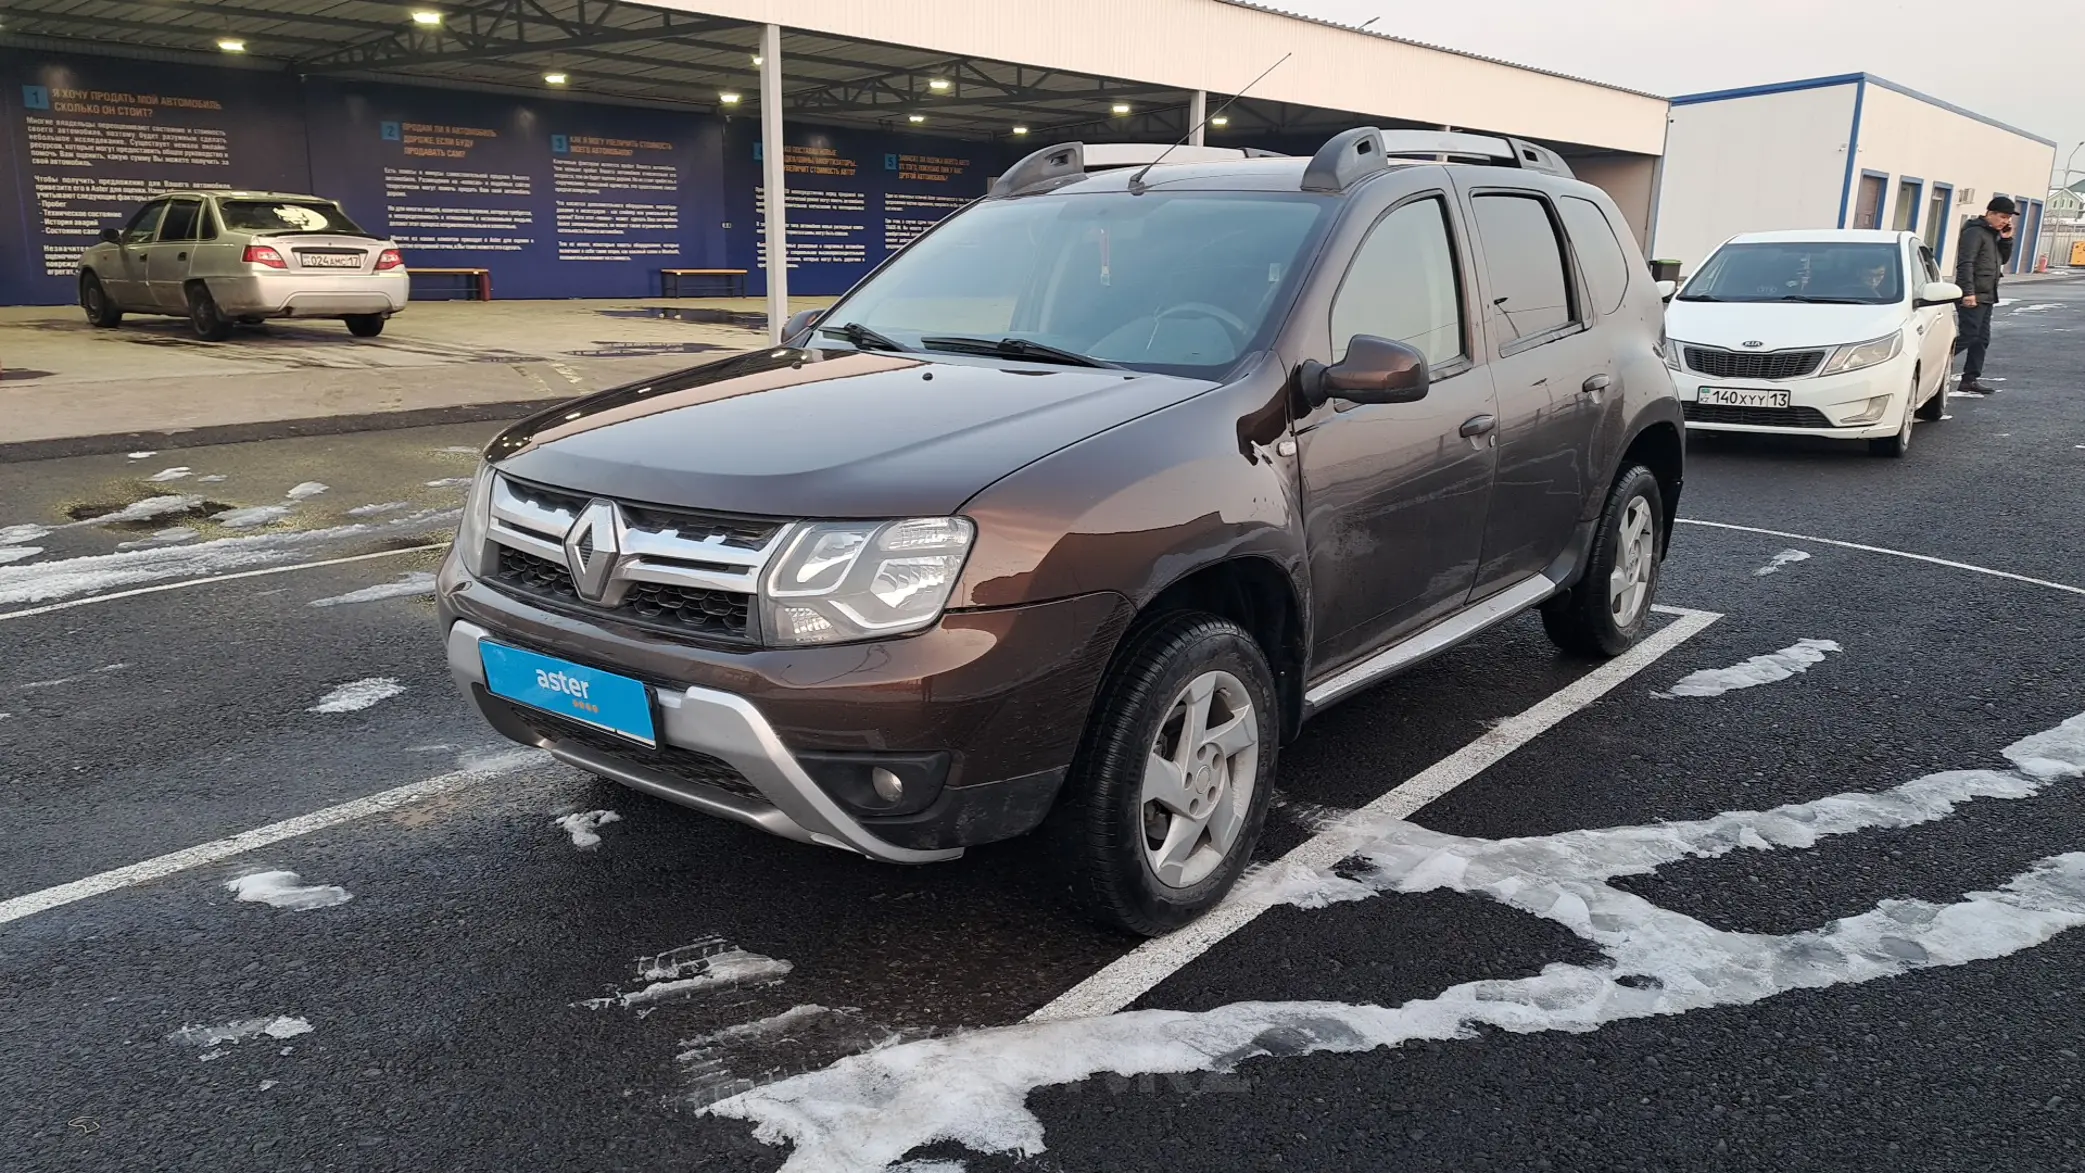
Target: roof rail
{"x": 1353, "y": 155}
{"x": 1055, "y": 165}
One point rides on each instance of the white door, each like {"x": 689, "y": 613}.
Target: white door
{"x": 1936, "y": 323}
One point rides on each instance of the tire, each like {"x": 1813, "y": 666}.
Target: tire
{"x": 1113, "y": 839}
{"x": 365, "y": 325}
{"x": 208, "y": 324}
{"x": 1591, "y": 619}
{"x": 1934, "y": 409}
{"x": 95, "y": 301}
{"x": 1898, "y": 446}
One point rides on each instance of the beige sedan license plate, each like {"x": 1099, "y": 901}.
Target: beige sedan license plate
{"x": 330, "y": 260}
{"x": 1732, "y": 397}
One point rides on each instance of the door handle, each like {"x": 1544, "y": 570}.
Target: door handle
{"x": 1597, "y": 384}
{"x": 180, "y": 256}
{"x": 1478, "y": 425}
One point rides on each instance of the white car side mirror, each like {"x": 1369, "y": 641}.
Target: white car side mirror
{"x": 1938, "y": 293}
{"x": 1666, "y": 289}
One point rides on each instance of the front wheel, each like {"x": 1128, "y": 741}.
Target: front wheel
{"x": 365, "y": 325}
{"x": 203, "y": 316}
{"x": 1173, "y": 778}
{"x": 1934, "y": 410}
{"x": 101, "y": 311}
{"x": 1610, "y": 608}
{"x": 1898, "y": 446}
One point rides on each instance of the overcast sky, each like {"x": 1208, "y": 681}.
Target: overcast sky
{"x": 2005, "y": 61}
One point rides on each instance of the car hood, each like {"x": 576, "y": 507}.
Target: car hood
{"x": 1779, "y": 325}
{"x": 794, "y": 433}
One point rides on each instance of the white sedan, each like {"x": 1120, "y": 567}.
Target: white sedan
{"x": 1844, "y": 333}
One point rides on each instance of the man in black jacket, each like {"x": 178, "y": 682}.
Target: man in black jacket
{"x": 1980, "y": 256}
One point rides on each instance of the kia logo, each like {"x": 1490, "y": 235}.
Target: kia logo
{"x": 1755, "y": 345}
{"x": 593, "y": 546}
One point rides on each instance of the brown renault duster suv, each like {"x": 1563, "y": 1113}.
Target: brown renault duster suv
{"x": 1071, "y": 514}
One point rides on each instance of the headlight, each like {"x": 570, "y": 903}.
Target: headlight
{"x": 847, "y": 580}
{"x": 1863, "y": 354}
{"x": 1671, "y": 351}
{"x": 471, "y": 541}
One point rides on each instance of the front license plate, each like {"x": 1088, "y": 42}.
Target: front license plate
{"x": 577, "y": 693}
{"x": 1732, "y": 397}
{"x": 329, "y": 261}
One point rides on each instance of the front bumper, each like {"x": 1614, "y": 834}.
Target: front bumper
{"x": 1822, "y": 406}
{"x": 310, "y": 295}
{"x": 1000, "y": 697}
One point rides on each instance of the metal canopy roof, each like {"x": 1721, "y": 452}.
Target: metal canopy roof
{"x": 629, "y": 53}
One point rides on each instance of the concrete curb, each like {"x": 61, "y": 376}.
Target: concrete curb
{"x": 23, "y": 451}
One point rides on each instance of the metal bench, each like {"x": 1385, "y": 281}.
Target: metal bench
{"x": 734, "y": 280}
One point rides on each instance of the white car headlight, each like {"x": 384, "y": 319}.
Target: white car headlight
{"x": 471, "y": 544}
{"x": 848, "y": 580}
{"x": 1863, "y": 354}
{"x": 1671, "y": 351}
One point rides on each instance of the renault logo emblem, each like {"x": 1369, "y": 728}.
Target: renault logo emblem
{"x": 592, "y": 547}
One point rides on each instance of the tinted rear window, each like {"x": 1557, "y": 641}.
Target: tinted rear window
{"x": 285, "y": 216}
{"x": 1526, "y": 263}
{"x": 1600, "y": 252}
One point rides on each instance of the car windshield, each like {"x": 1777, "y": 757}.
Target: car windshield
{"x": 1830, "y": 272}
{"x": 286, "y": 216}
{"x": 1182, "y": 283}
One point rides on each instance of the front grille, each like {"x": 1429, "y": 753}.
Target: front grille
{"x": 681, "y": 610}
{"x": 1733, "y": 364}
{"x": 1755, "y": 417}
{"x": 743, "y": 533}
{"x": 684, "y": 764}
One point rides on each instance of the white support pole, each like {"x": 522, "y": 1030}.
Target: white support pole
{"x": 1197, "y": 113}
{"x": 775, "y": 181}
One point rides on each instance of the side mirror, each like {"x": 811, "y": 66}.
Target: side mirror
{"x": 1375, "y": 370}
{"x": 1666, "y": 289}
{"x": 111, "y": 236}
{"x": 1938, "y": 293}
{"x": 799, "y": 322}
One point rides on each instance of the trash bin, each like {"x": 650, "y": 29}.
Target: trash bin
{"x": 1665, "y": 270}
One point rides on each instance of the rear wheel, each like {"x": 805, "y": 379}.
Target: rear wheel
{"x": 365, "y": 325}
{"x": 95, "y": 301}
{"x": 1610, "y": 608}
{"x": 1173, "y": 779}
{"x": 203, "y": 316}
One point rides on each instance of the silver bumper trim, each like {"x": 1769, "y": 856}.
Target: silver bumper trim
{"x": 731, "y": 729}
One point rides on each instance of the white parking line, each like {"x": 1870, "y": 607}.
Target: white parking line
{"x": 206, "y": 580}
{"x": 1777, "y": 533}
{"x": 1132, "y": 975}
{"x": 222, "y": 849}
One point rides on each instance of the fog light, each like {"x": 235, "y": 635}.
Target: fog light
{"x": 1872, "y": 412}
{"x": 889, "y": 787}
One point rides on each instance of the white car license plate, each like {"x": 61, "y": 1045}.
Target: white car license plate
{"x": 1732, "y": 397}
{"x": 330, "y": 260}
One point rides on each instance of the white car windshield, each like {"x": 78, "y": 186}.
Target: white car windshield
{"x": 1829, "y": 272}
{"x": 1182, "y": 282}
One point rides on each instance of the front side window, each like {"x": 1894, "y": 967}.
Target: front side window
{"x": 1181, "y": 282}
{"x": 285, "y": 216}
{"x": 1402, "y": 286}
{"x": 1844, "y": 272}
{"x": 145, "y": 223}
{"x": 1530, "y": 289}
{"x": 1930, "y": 266}
{"x": 1599, "y": 252}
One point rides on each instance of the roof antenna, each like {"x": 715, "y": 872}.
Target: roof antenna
{"x": 1136, "y": 182}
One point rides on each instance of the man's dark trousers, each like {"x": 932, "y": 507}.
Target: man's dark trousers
{"x": 1973, "y": 337}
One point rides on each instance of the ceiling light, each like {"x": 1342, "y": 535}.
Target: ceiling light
{"x": 759, "y": 60}
{"x": 937, "y": 84}
{"x": 1020, "y": 130}
{"x": 232, "y": 45}
{"x": 1220, "y": 120}
{"x": 424, "y": 17}
{"x": 1120, "y": 107}
{"x": 728, "y": 98}
{"x": 555, "y": 79}
{"x": 915, "y": 118}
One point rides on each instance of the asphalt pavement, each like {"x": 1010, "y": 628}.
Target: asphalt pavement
{"x": 1507, "y": 977}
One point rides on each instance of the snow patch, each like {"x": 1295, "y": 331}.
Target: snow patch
{"x": 15, "y": 535}
{"x": 239, "y": 1031}
{"x": 1789, "y": 661}
{"x": 582, "y": 827}
{"x": 18, "y": 553}
{"x": 210, "y": 480}
{"x": 2038, "y": 307}
{"x": 169, "y": 474}
{"x": 460, "y": 450}
{"x": 173, "y": 535}
{"x": 706, "y": 965}
{"x": 306, "y": 489}
{"x": 412, "y": 582}
{"x": 142, "y": 455}
{"x": 373, "y": 510}
{"x": 449, "y": 483}
{"x": 280, "y": 889}
{"x": 250, "y": 516}
{"x": 145, "y": 510}
{"x": 867, "y": 1111}
{"x": 43, "y": 581}
{"x": 357, "y": 695}
{"x": 268, "y": 1083}
{"x": 1784, "y": 558}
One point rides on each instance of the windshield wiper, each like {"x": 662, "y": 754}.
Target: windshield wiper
{"x": 1698, "y": 297}
{"x": 1015, "y": 348}
{"x": 862, "y": 337}
{"x": 1827, "y": 300}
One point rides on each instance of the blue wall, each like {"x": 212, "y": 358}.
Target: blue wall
{"x": 559, "y": 198}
